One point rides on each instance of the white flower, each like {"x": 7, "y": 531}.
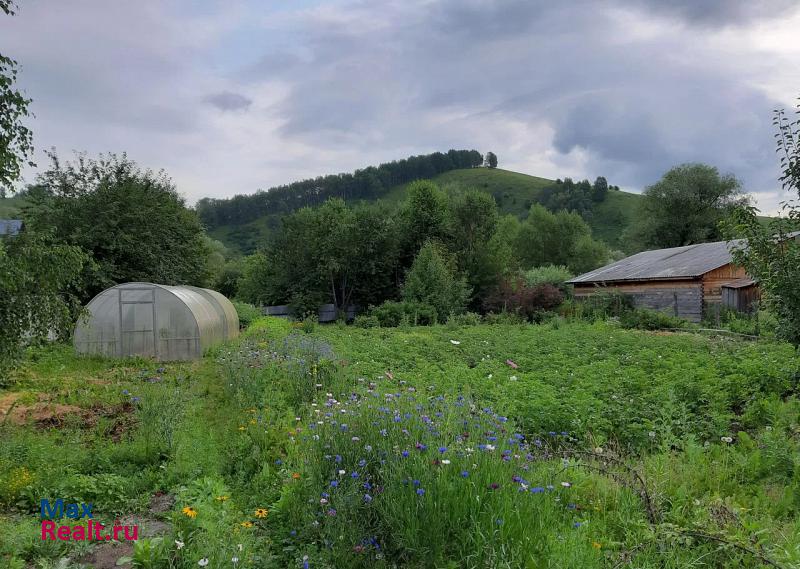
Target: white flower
{"x": 513, "y": 378}
{"x": 323, "y": 501}
{"x": 651, "y": 434}
{"x": 455, "y": 342}
{"x": 489, "y": 376}
{"x": 341, "y": 472}
{"x": 235, "y": 560}
{"x": 203, "y": 562}
{"x": 240, "y": 547}
{"x": 726, "y": 439}
{"x": 445, "y": 461}
{"x": 566, "y": 484}
{"x": 489, "y": 447}
{"x": 768, "y": 427}
{"x": 598, "y": 450}
{"x": 179, "y": 544}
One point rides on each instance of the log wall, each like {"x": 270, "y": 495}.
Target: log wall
{"x": 677, "y": 298}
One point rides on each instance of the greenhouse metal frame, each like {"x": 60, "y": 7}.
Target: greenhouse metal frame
{"x": 166, "y": 323}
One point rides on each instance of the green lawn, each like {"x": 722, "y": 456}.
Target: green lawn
{"x": 555, "y": 445}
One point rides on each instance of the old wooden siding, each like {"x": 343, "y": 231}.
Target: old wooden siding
{"x": 741, "y": 299}
{"x": 713, "y": 281}
{"x": 677, "y": 298}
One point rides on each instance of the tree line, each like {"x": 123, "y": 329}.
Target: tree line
{"x": 365, "y": 184}
{"x": 453, "y": 244}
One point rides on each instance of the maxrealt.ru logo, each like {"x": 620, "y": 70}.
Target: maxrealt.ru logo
{"x": 88, "y": 531}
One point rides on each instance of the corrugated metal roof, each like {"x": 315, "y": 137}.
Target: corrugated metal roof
{"x": 10, "y": 226}
{"x": 675, "y": 263}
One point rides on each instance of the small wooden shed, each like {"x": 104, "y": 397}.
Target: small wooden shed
{"x": 678, "y": 280}
{"x": 740, "y": 295}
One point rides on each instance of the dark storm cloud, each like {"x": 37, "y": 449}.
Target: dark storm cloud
{"x": 631, "y": 106}
{"x": 228, "y": 101}
{"x": 717, "y": 13}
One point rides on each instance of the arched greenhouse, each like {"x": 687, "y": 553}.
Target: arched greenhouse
{"x": 167, "y": 323}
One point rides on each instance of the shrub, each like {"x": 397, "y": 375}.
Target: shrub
{"x": 391, "y": 314}
{"x": 466, "y": 319}
{"x": 529, "y": 302}
{"x": 432, "y": 281}
{"x": 555, "y": 275}
{"x": 247, "y": 313}
{"x": 599, "y": 306}
{"x": 644, "y": 319}
{"x": 366, "y": 321}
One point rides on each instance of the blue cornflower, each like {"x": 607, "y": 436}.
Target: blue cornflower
{"x": 499, "y": 521}
{"x": 367, "y": 486}
{"x": 420, "y": 491}
{"x": 354, "y": 474}
{"x": 278, "y": 461}
{"x": 576, "y": 525}
{"x": 464, "y": 474}
{"x": 404, "y": 453}
{"x": 362, "y": 462}
{"x": 442, "y": 450}
{"x": 325, "y": 495}
{"x": 537, "y": 490}
{"x": 415, "y": 482}
{"x": 367, "y": 498}
{"x": 334, "y": 483}
{"x": 338, "y": 458}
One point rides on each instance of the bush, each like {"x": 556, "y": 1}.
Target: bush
{"x": 247, "y": 313}
{"x": 366, "y": 321}
{"x": 644, "y": 319}
{"x": 391, "y": 314}
{"x": 599, "y": 306}
{"x": 432, "y": 281}
{"x": 555, "y": 275}
{"x": 466, "y": 319}
{"x": 529, "y": 302}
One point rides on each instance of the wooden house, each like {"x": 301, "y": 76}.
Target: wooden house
{"x": 681, "y": 280}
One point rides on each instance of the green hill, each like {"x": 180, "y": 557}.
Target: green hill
{"x": 514, "y": 193}
{"x": 10, "y": 207}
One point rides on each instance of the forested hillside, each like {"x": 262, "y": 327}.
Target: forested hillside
{"x": 245, "y": 222}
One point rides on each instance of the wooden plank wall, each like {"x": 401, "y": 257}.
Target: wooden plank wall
{"x": 679, "y": 298}
{"x": 713, "y": 281}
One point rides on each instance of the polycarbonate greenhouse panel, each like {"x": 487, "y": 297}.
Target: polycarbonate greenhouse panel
{"x": 167, "y": 323}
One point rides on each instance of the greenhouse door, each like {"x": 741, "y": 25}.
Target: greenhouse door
{"x": 137, "y": 318}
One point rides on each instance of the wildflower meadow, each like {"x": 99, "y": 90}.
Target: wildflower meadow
{"x": 570, "y": 445}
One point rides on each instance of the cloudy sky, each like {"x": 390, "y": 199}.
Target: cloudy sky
{"x": 233, "y": 96}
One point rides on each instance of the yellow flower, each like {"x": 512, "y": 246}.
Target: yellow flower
{"x": 296, "y": 475}
{"x": 253, "y": 422}
{"x": 596, "y": 545}
{"x": 253, "y": 410}
{"x": 222, "y": 498}
{"x": 189, "y": 511}
{"x": 247, "y": 524}
{"x": 242, "y": 427}
{"x": 261, "y": 513}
